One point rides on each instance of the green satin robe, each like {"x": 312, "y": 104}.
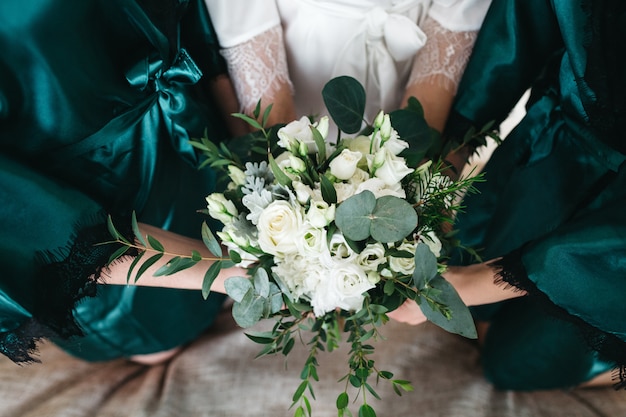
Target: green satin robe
{"x": 98, "y": 102}
{"x": 554, "y": 193}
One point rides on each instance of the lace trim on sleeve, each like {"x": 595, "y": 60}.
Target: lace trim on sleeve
{"x": 258, "y": 68}
{"x": 444, "y": 57}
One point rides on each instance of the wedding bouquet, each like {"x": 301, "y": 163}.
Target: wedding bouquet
{"x": 335, "y": 235}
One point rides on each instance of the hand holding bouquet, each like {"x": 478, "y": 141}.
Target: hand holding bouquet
{"x": 335, "y": 235}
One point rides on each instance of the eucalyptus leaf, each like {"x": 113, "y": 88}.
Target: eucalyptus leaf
{"x": 238, "y": 287}
{"x": 354, "y": 215}
{"x": 425, "y": 266}
{"x": 394, "y": 219}
{"x": 344, "y": 98}
{"x": 249, "y": 310}
{"x": 262, "y": 283}
{"x": 210, "y": 241}
{"x": 342, "y": 400}
{"x": 366, "y": 410}
{"x": 461, "y": 322}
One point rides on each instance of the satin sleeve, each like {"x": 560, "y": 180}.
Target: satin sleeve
{"x": 516, "y": 40}
{"x": 459, "y": 15}
{"x": 237, "y": 21}
{"x": 50, "y": 259}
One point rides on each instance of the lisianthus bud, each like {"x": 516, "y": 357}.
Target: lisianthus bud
{"x": 322, "y": 126}
{"x": 297, "y": 164}
{"x": 236, "y": 175}
{"x": 378, "y": 121}
{"x": 220, "y": 208}
{"x": 385, "y": 128}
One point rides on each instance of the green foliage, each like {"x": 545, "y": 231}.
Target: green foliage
{"x": 344, "y": 98}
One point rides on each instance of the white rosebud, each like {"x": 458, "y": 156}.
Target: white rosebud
{"x": 236, "y": 175}
{"x": 344, "y": 165}
{"x": 322, "y": 126}
{"x": 297, "y": 164}
{"x": 221, "y": 208}
{"x": 379, "y": 188}
{"x": 303, "y": 192}
{"x": 378, "y": 121}
{"x": 389, "y": 167}
{"x": 371, "y": 257}
{"x": 385, "y": 128}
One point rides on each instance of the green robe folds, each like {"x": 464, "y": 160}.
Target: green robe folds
{"x": 553, "y": 201}
{"x": 98, "y": 102}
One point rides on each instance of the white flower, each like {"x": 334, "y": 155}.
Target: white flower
{"x": 388, "y": 167}
{"x": 370, "y": 259}
{"x": 297, "y": 164}
{"x": 359, "y": 177}
{"x": 344, "y": 190}
{"x": 344, "y": 287}
{"x": 395, "y": 145}
{"x": 311, "y": 242}
{"x": 237, "y": 243}
{"x": 299, "y": 132}
{"x": 221, "y": 208}
{"x": 236, "y": 175}
{"x": 279, "y": 226}
{"x": 379, "y": 188}
{"x": 344, "y": 165}
{"x": 303, "y": 192}
{"x": 300, "y": 274}
{"x": 433, "y": 242}
{"x": 338, "y": 250}
{"x": 404, "y": 265}
{"x": 320, "y": 214}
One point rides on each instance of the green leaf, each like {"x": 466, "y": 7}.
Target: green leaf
{"x": 149, "y": 262}
{"x": 366, "y": 411}
{"x": 344, "y": 98}
{"x": 289, "y": 345}
{"x": 412, "y": 128}
{"x": 394, "y": 219}
{"x": 280, "y": 176}
{"x": 319, "y": 142}
{"x": 155, "y": 244}
{"x": 175, "y": 265}
{"x": 342, "y": 400}
{"x": 136, "y": 230}
{"x": 133, "y": 265}
{"x": 425, "y": 266}
{"x": 266, "y": 113}
{"x": 263, "y": 338}
{"x": 249, "y": 311}
{"x": 262, "y": 283}
{"x": 329, "y": 194}
{"x": 299, "y": 412}
{"x": 372, "y": 391}
{"x": 387, "y": 219}
{"x": 112, "y": 230}
{"x": 299, "y": 391}
{"x": 210, "y": 241}
{"x": 354, "y": 215}
{"x": 248, "y": 120}
{"x": 121, "y": 251}
{"x": 461, "y": 322}
{"x": 209, "y": 277}
{"x": 238, "y": 287}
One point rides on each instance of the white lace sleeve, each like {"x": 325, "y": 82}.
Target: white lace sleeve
{"x": 258, "y": 68}
{"x": 444, "y": 57}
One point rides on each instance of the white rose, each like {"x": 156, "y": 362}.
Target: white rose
{"x": 344, "y": 165}
{"x": 433, "y": 242}
{"x": 320, "y": 214}
{"x": 338, "y": 250}
{"x": 359, "y": 177}
{"x": 279, "y": 225}
{"x": 301, "y": 275}
{"x": 404, "y": 265}
{"x": 388, "y": 167}
{"x": 311, "y": 242}
{"x": 344, "y": 190}
{"x": 298, "y": 132}
{"x": 395, "y": 145}
{"x": 370, "y": 259}
{"x": 379, "y": 188}
{"x": 221, "y": 208}
{"x": 344, "y": 287}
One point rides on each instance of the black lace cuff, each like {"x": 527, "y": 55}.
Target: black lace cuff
{"x": 63, "y": 278}
{"x": 511, "y": 272}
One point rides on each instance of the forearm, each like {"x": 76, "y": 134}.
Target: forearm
{"x": 174, "y": 244}
{"x": 477, "y": 284}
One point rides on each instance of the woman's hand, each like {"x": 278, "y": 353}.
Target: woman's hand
{"x": 409, "y": 312}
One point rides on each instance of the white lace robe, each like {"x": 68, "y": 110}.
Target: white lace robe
{"x": 385, "y": 44}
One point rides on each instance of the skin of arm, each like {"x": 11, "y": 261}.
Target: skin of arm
{"x": 174, "y": 244}
{"x": 475, "y": 284}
